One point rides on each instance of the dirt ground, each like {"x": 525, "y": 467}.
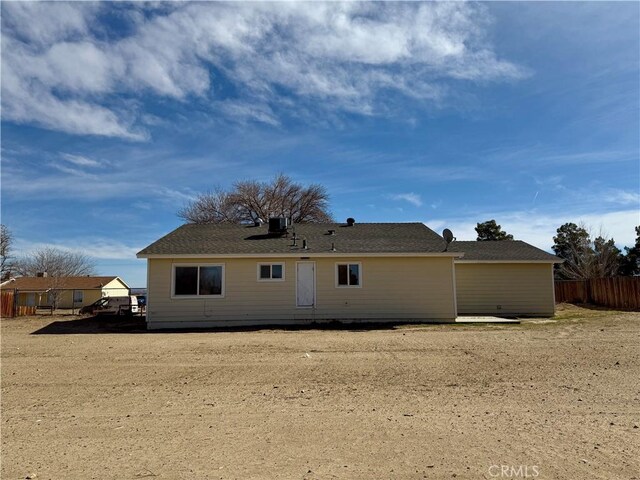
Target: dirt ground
{"x": 546, "y": 399}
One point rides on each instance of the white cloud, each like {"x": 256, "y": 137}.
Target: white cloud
{"x": 44, "y": 22}
{"x": 80, "y": 160}
{"x": 98, "y": 248}
{"x": 59, "y": 74}
{"x": 72, "y": 171}
{"x": 26, "y": 99}
{"x": 75, "y": 183}
{"x": 622, "y": 197}
{"x": 539, "y": 228}
{"x": 244, "y": 111}
{"x": 412, "y": 198}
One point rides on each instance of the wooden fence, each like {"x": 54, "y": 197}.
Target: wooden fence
{"x": 616, "y": 292}
{"x": 8, "y": 307}
{"x": 7, "y": 303}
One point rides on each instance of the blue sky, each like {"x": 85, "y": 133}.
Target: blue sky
{"x": 114, "y": 115}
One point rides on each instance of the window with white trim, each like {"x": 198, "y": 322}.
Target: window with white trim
{"x": 348, "y": 275}
{"x": 271, "y": 272}
{"x": 198, "y": 280}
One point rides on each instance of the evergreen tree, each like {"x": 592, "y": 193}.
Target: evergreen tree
{"x": 491, "y": 231}
{"x": 630, "y": 263}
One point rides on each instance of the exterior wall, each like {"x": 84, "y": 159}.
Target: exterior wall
{"x": 115, "y": 288}
{"x": 31, "y": 299}
{"x": 65, "y": 299}
{"x": 392, "y": 288}
{"x": 89, "y": 296}
{"x": 505, "y": 289}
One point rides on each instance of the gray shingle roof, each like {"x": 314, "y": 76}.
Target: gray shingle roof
{"x": 226, "y": 239}
{"x": 505, "y": 250}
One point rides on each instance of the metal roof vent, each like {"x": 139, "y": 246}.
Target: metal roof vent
{"x": 350, "y": 222}
{"x": 331, "y": 232}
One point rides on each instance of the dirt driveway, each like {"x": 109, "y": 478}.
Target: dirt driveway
{"x": 549, "y": 400}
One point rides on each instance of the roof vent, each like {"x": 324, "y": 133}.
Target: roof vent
{"x": 278, "y": 225}
{"x": 350, "y": 222}
{"x": 331, "y": 232}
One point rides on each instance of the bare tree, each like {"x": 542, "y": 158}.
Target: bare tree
{"x": 55, "y": 263}
{"x": 585, "y": 258}
{"x": 252, "y": 200}
{"x": 6, "y": 241}
{"x": 211, "y": 207}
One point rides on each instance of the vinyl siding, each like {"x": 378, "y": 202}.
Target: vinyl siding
{"x": 504, "y": 289}
{"x": 397, "y": 288}
{"x": 115, "y": 288}
{"x": 65, "y": 299}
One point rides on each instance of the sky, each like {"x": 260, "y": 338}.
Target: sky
{"x": 116, "y": 115}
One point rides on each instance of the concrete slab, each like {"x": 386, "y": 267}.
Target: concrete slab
{"x": 487, "y": 319}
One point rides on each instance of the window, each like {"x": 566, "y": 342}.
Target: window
{"x": 78, "y": 296}
{"x": 348, "y": 274}
{"x": 198, "y": 281}
{"x": 273, "y": 272}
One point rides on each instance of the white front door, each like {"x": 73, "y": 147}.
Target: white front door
{"x": 305, "y": 284}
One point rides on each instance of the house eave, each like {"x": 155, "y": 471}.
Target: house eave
{"x": 305, "y": 254}
{"x": 463, "y": 261}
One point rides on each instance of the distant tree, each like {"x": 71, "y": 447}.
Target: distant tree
{"x": 630, "y": 262}
{"x": 6, "y": 241}
{"x": 584, "y": 258}
{"x": 55, "y": 263}
{"x": 251, "y": 200}
{"x": 570, "y": 241}
{"x": 606, "y": 258}
{"x": 491, "y": 231}
{"x": 211, "y": 207}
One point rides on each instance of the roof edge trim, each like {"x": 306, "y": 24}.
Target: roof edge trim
{"x": 303, "y": 254}
{"x": 508, "y": 261}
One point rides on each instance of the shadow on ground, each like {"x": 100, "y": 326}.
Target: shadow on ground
{"x": 602, "y": 308}
{"x": 97, "y": 324}
{"x": 115, "y": 324}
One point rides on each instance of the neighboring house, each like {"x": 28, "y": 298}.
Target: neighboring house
{"x": 507, "y": 277}
{"x": 233, "y": 275}
{"x": 67, "y": 292}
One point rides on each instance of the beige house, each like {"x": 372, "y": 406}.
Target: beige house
{"x": 202, "y": 276}
{"x": 236, "y": 275}
{"x": 509, "y": 278}
{"x": 67, "y": 292}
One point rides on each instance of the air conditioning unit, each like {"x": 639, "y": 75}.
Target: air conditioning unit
{"x": 278, "y": 225}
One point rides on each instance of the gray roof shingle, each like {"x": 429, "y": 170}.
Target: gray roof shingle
{"x": 504, "y": 250}
{"x": 389, "y": 238}
{"x": 229, "y": 239}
